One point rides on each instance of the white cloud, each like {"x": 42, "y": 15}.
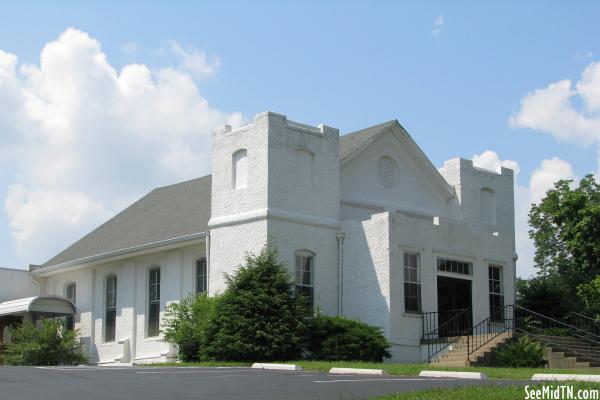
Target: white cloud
{"x": 583, "y": 55}
{"x": 86, "y": 139}
{"x": 542, "y": 179}
{"x": 438, "y": 23}
{"x": 490, "y": 160}
{"x": 195, "y": 61}
{"x": 551, "y": 110}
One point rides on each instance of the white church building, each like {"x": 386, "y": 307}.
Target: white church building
{"x": 369, "y": 228}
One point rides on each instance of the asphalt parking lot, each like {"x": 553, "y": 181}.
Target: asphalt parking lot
{"x": 148, "y": 383}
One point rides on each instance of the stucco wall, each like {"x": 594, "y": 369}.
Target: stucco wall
{"x": 373, "y": 271}
{"x": 177, "y": 281}
{"x": 414, "y": 192}
{"x": 16, "y": 284}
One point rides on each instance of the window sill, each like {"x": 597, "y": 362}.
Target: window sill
{"x": 413, "y": 315}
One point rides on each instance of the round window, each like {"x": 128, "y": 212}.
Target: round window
{"x": 387, "y": 171}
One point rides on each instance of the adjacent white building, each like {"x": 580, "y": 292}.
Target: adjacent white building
{"x": 369, "y": 228}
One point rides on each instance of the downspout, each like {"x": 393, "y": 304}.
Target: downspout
{"x": 340, "y": 238}
{"x": 207, "y": 251}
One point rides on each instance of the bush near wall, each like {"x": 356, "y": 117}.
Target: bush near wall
{"x": 521, "y": 353}
{"x": 51, "y": 344}
{"x": 259, "y": 318}
{"x": 343, "y": 339}
{"x": 187, "y": 324}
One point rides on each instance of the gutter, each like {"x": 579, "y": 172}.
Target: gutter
{"x": 120, "y": 252}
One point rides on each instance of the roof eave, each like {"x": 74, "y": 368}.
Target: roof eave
{"x": 49, "y": 270}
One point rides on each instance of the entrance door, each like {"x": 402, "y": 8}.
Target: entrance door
{"x": 454, "y": 297}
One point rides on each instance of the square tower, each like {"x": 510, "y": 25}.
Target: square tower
{"x": 276, "y": 181}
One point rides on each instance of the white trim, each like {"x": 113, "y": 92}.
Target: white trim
{"x": 45, "y": 271}
{"x": 414, "y": 151}
{"x": 265, "y": 213}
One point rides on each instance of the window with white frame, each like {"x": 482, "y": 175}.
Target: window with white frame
{"x": 154, "y": 301}
{"x": 71, "y": 294}
{"x": 496, "y": 296}
{"x": 110, "y": 315}
{"x": 201, "y": 276}
{"x": 412, "y": 283}
{"x": 304, "y": 275}
{"x": 457, "y": 267}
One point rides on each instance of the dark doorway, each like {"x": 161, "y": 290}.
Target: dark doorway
{"x": 454, "y": 306}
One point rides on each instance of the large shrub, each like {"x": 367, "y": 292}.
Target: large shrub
{"x": 522, "y": 353}
{"x": 51, "y": 344}
{"x": 258, "y": 318}
{"x": 338, "y": 338}
{"x": 187, "y": 325}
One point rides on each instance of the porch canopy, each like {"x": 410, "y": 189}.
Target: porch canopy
{"x": 48, "y": 305}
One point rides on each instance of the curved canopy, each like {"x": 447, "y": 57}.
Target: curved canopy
{"x": 40, "y": 304}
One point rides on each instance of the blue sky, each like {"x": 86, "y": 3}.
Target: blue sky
{"x": 452, "y": 73}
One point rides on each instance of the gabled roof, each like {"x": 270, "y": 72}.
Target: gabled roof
{"x": 354, "y": 143}
{"x": 167, "y": 212}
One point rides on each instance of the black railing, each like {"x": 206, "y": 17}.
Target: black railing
{"x": 501, "y": 321}
{"x": 442, "y": 329}
{"x": 584, "y": 322}
{"x": 561, "y": 335}
{"x": 580, "y": 337}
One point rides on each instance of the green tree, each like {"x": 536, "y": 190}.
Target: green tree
{"x": 565, "y": 227}
{"x": 548, "y": 295}
{"x": 51, "y": 344}
{"x": 258, "y": 318}
{"x": 589, "y": 293}
{"x": 187, "y": 325}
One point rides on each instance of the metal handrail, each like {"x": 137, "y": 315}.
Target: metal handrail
{"x": 434, "y": 348}
{"x": 589, "y": 322}
{"x": 565, "y": 343}
{"x": 479, "y": 336}
{"x": 562, "y": 324}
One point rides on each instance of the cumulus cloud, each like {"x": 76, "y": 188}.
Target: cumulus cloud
{"x": 438, "y": 23}
{"x": 490, "y": 160}
{"x": 85, "y": 139}
{"x": 551, "y": 109}
{"x": 195, "y": 61}
{"x": 541, "y": 180}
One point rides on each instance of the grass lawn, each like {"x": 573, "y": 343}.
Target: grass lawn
{"x": 404, "y": 369}
{"x": 481, "y": 393}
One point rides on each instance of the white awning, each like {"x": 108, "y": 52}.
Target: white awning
{"x": 41, "y": 304}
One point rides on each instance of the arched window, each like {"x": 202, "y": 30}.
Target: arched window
{"x": 201, "y": 276}
{"x": 240, "y": 169}
{"x": 488, "y": 206}
{"x": 304, "y": 167}
{"x": 71, "y": 294}
{"x": 387, "y": 171}
{"x": 305, "y": 266}
{"x": 154, "y": 301}
{"x": 110, "y": 314}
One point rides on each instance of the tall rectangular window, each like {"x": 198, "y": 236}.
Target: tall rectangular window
{"x": 412, "y": 284}
{"x": 71, "y": 294}
{"x": 496, "y": 296}
{"x": 304, "y": 276}
{"x": 201, "y": 276}
{"x": 110, "y": 316}
{"x": 154, "y": 302}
